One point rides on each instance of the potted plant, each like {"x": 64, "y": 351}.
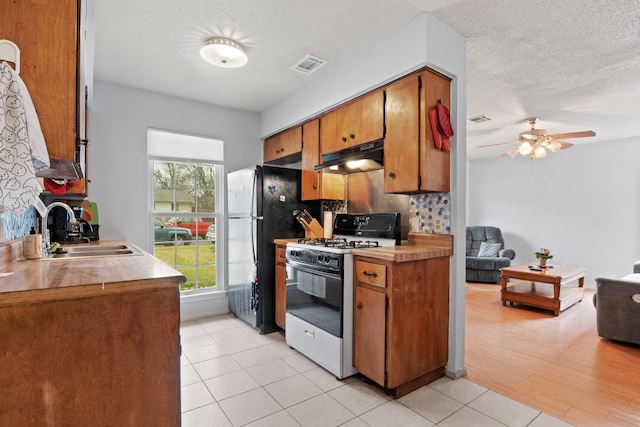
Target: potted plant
{"x": 543, "y": 255}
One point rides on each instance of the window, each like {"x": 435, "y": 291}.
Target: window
{"x": 185, "y": 208}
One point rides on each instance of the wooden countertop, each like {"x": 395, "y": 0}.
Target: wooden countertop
{"x": 285, "y": 241}
{"x": 419, "y": 247}
{"x": 403, "y": 253}
{"x": 24, "y": 280}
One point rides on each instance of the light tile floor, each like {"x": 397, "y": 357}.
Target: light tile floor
{"x": 233, "y": 376}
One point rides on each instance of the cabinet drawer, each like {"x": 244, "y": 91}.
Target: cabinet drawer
{"x": 281, "y": 252}
{"x": 373, "y": 274}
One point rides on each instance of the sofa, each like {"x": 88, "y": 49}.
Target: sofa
{"x": 486, "y": 254}
{"x": 617, "y": 303}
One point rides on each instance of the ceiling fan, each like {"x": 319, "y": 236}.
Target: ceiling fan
{"x": 535, "y": 142}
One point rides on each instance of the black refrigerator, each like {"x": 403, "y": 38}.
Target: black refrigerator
{"x": 260, "y": 202}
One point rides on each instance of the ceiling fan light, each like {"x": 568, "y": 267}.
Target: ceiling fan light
{"x": 525, "y": 148}
{"x": 223, "y": 52}
{"x": 554, "y": 146}
{"x": 539, "y": 152}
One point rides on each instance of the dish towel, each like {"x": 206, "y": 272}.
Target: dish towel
{"x": 23, "y": 151}
{"x": 254, "y": 299}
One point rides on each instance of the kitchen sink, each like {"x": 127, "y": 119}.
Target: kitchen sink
{"x": 94, "y": 251}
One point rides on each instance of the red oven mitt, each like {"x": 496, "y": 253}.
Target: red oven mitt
{"x": 437, "y": 136}
{"x": 444, "y": 119}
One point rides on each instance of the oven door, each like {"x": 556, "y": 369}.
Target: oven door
{"x": 315, "y": 294}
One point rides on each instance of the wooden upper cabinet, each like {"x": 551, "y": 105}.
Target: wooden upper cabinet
{"x": 402, "y": 141}
{"x": 317, "y": 185}
{"x": 435, "y": 164}
{"x": 412, "y": 163}
{"x": 355, "y": 123}
{"x": 279, "y": 148}
{"x": 46, "y": 33}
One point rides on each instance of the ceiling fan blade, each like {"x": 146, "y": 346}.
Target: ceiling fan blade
{"x": 582, "y": 134}
{"x": 564, "y": 145}
{"x": 500, "y": 143}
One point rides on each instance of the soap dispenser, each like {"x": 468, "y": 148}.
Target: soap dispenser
{"x": 32, "y": 245}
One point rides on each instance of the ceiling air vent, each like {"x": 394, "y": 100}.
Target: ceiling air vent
{"x": 479, "y": 119}
{"x": 309, "y": 64}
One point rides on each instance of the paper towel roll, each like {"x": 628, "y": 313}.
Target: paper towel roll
{"x": 328, "y": 224}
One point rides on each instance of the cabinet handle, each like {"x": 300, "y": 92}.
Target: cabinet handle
{"x": 315, "y": 186}
{"x": 366, "y": 273}
{"x": 392, "y": 174}
{"x": 359, "y": 306}
{"x": 344, "y": 139}
{"x": 352, "y": 136}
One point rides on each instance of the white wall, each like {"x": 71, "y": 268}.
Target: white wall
{"x": 582, "y": 203}
{"x": 117, "y": 164}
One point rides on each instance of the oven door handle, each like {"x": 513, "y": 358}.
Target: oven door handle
{"x": 318, "y": 270}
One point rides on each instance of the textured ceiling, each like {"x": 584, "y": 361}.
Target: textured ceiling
{"x": 574, "y": 64}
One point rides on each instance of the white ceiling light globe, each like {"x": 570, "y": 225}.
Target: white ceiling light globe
{"x": 224, "y": 53}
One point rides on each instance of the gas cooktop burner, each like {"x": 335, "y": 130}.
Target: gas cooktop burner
{"x": 340, "y": 243}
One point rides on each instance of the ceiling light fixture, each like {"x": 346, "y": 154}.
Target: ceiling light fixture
{"x": 535, "y": 148}
{"x": 223, "y": 52}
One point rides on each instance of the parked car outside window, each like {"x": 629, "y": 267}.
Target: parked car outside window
{"x": 198, "y": 226}
{"x": 168, "y": 235}
{"x": 211, "y": 233}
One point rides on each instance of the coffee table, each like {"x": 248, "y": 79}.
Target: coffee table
{"x": 548, "y": 288}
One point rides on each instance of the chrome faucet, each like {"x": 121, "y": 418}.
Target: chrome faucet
{"x": 45, "y": 231}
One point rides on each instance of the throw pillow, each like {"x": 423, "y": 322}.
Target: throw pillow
{"x": 489, "y": 249}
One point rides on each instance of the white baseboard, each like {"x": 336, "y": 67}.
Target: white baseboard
{"x": 200, "y": 305}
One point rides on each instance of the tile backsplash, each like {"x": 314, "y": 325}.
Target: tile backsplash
{"x": 14, "y": 226}
{"x": 432, "y": 212}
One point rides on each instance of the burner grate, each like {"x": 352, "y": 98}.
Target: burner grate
{"x": 340, "y": 243}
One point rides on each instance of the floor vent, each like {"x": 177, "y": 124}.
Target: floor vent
{"x": 479, "y": 119}
{"x": 309, "y": 64}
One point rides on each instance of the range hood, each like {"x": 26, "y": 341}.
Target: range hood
{"x": 62, "y": 169}
{"x": 361, "y": 158}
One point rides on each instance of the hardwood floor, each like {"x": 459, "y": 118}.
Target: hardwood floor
{"x": 558, "y": 365}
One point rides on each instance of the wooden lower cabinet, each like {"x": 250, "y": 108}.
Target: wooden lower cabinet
{"x": 107, "y": 359}
{"x": 401, "y": 327}
{"x": 281, "y": 286}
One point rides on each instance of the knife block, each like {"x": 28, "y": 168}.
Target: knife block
{"x": 313, "y": 230}
{"x": 316, "y": 229}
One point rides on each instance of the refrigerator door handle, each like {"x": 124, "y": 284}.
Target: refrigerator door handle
{"x": 253, "y": 216}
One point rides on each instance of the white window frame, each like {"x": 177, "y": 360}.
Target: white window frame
{"x": 216, "y": 153}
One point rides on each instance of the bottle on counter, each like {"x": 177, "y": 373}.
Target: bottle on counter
{"x": 32, "y": 245}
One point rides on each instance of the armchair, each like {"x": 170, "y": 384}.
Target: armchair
{"x": 483, "y": 264}
{"x": 617, "y": 303}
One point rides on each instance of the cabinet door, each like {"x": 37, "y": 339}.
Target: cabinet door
{"x": 369, "y": 333}
{"x": 402, "y": 139}
{"x": 283, "y": 144}
{"x": 317, "y": 185}
{"x": 355, "y": 123}
{"x": 434, "y": 163}
{"x": 361, "y": 120}
{"x": 281, "y": 286}
{"x": 46, "y": 33}
{"x": 281, "y": 295}
{"x": 368, "y": 119}
{"x": 329, "y": 140}
{"x": 310, "y": 158}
